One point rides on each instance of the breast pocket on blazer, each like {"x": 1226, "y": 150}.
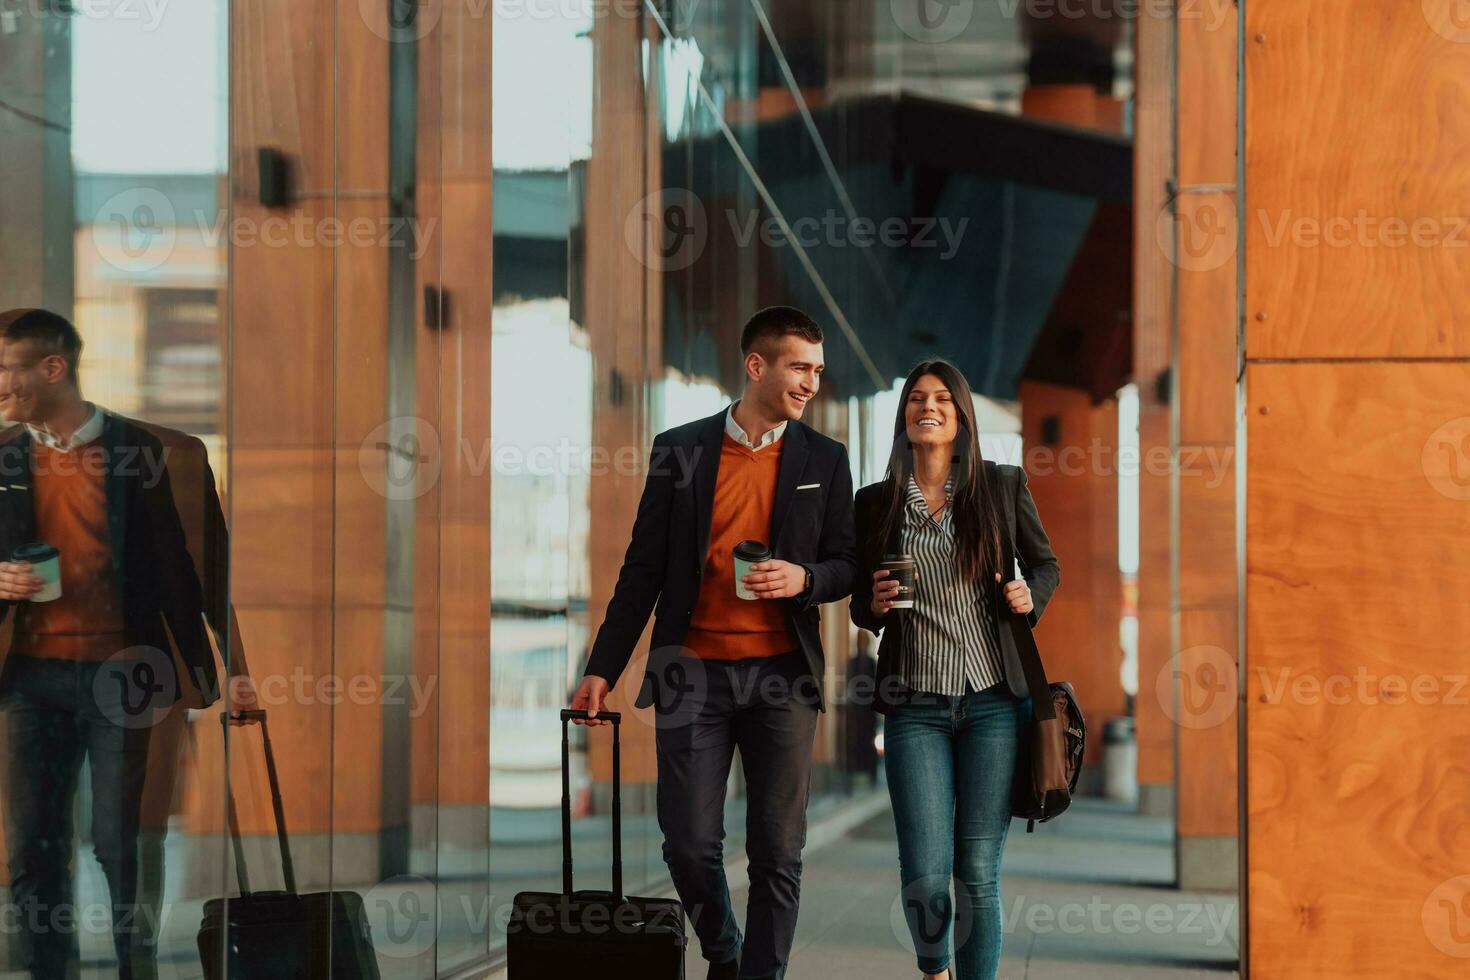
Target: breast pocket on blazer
{"x": 807, "y": 500}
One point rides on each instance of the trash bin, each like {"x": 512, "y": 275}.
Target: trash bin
{"x": 1120, "y": 760}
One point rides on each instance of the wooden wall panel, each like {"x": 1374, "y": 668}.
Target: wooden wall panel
{"x": 450, "y": 742}
{"x": 626, "y": 339}
{"x": 1153, "y": 163}
{"x": 1356, "y": 510}
{"x": 1356, "y": 122}
{"x": 1078, "y": 504}
{"x": 307, "y": 373}
{"x": 1209, "y": 755}
{"x": 1153, "y": 717}
{"x": 1202, "y": 695}
{"x": 1357, "y": 577}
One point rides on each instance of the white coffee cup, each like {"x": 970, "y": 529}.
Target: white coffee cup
{"x": 748, "y": 553}
{"x": 45, "y": 562}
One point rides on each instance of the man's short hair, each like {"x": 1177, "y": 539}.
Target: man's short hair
{"x": 50, "y": 333}
{"x": 775, "y": 322}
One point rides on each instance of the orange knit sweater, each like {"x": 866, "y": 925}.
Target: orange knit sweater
{"x": 86, "y": 623}
{"x": 724, "y": 626}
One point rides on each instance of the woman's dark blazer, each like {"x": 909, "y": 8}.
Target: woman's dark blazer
{"x": 1038, "y": 565}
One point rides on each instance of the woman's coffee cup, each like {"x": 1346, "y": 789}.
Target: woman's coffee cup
{"x": 45, "y": 562}
{"x": 748, "y": 553}
{"x": 902, "y": 570}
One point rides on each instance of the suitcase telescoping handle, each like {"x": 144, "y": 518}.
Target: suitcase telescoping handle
{"x": 287, "y": 871}
{"x": 617, "y": 801}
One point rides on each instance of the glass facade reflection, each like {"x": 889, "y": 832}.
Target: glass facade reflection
{"x": 423, "y": 418}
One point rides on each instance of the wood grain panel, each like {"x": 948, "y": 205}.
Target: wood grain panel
{"x": 289, "y": 651}
{"x": 464, "y": 101}
{"x": 1207, "y": 577}
{"x": 1356, "y": 569}
{"x": 1155, "y": 729}
{"x": 1207, "y": 331}
{"x": 281, "y": 310}
{"x": 354, "y": 704}
{"x": 1152, "y": 353}
{"x": 1078, "y": 507}
{"x": 1208, "y": 752}
{"x": 1360, "y": 120}
{"x": 283, "y": 547}
{"x": 624, "y": 337}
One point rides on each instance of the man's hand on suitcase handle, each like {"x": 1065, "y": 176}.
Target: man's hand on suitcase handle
{"x": 591, "y": 697}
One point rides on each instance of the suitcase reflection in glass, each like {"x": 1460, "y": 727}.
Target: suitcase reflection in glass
{"x": 283, "y": 935}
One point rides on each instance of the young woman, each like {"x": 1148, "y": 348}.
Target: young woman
{"x": 948, "y": 678}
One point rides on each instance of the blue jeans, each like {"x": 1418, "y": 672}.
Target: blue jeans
{"x": 949, "y": 762}
{"x": 58, "y": 715}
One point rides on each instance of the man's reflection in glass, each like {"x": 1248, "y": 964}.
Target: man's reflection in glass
{"x": 89, "y": 673}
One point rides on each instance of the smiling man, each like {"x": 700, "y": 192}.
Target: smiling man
{"x": 89, "y": 671}
{"x": 726, "y": 671}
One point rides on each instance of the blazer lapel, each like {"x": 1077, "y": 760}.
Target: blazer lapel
{"x": 706, "y": 474}
{"x": 793, "y": 461}
{"x": 1008, "y": 537}
{"x": 117, "y": 493}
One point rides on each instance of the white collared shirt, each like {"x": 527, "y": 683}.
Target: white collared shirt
{"x": 86, "y": 432}
{"x": 733, "y": 430}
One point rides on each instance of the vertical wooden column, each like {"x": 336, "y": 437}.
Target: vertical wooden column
{"x": 363, "y": 462}
{"x": 1206, "y": 600}
{"x": 1152, "y": 352}
{"x": 626, "y": 336}
{"x": 1357, "y": 402}
{"x": 308, "y": 311}
{"x": 452, "y": 633}
{"x": 1074, "y": 482}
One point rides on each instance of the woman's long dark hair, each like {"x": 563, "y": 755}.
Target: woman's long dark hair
{"x": 977, "y": 526}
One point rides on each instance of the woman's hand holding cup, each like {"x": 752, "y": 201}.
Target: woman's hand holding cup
{"x": 885, "y": 592}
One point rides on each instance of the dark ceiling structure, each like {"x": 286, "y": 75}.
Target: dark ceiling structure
{"x": 1014, "y": 258}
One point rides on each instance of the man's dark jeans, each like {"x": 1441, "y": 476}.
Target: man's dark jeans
{"x": 55, "y": 715}
{"x": 767, "y": 708}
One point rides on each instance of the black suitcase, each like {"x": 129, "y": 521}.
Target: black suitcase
{"x": 558, "y": 935}
{"x": 282, "y": 935}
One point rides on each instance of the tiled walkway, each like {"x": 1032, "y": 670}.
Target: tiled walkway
{"x": 1084, "y": 897}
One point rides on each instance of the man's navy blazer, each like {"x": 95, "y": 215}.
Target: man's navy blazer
{"x": 811, "y": 525}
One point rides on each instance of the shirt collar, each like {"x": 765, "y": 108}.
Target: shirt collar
{"x": 86, "y": 432}
{"x": 915, "y": 497}
{"x": 733, "y": 430}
